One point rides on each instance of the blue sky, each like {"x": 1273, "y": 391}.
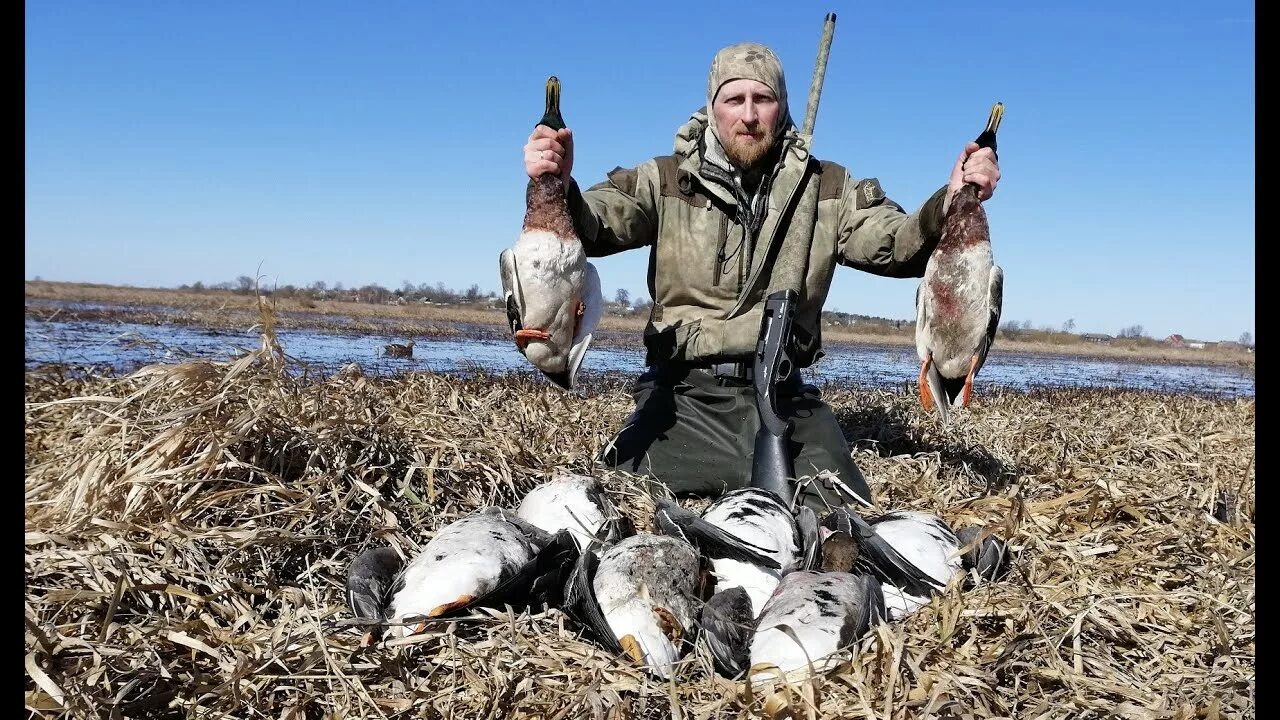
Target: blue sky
{"x": 380, "y": 142}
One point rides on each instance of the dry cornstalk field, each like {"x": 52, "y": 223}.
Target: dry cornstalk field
{"x": 188, "y": 529}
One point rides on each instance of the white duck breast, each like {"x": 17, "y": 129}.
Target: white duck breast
{"x": 555, "y": 283}
{"x": 644, "y": 587}
{"x": 756, "y": 517}
{"x": 575, "y": 503}
{"x": 811, "y": 616}
{"x": 465, "y": 560}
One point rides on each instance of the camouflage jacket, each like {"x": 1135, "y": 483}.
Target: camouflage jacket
{"x": 708, "y": 281}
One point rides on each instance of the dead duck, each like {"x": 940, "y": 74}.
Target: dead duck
{"x": 761, "y": 522}
{"x": 810, "y": 618}
{"x": 552, "y": 293}
{"x": 639, "y": 598}
{"x": 916, "y": 555}
{"x": 487, "y": 559}
{"x": 397, "y": 350}
{"x": 370, "y": 580}
{"x": 811, "y": 614}
{"x": 579, "y": 505}
{"x": 959, "y": 299}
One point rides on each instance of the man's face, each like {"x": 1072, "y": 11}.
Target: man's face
{"x": 746, "y": 113}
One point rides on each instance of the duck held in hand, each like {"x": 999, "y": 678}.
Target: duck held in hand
{"x": 552, "y": 293}
{"x": 959, "y": 299}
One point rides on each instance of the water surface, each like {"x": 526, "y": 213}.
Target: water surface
{"x": 126, "y": 346}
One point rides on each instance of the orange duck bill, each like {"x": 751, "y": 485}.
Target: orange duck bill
{"x": 524, "y": 336}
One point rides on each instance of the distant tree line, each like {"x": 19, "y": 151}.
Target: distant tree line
{"x": 623, "y": 304}
{"x": 373, "y": 293}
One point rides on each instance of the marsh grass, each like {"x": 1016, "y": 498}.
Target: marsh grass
{"x": 188, "y": 528}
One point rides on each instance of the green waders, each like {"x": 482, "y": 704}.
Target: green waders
{"x": 695, "y": 432}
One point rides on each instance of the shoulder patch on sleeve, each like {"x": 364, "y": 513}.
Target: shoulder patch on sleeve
{"x": 669, "y": 184}
{"x": 624, "y": 179}
{"x": 831, "y": 181}
{"x": 869, "y": 194}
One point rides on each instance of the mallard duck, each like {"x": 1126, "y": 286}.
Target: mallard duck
{"x": 959, "y": 299}
{"x": 487, "y": 559}
{"x": 762, "y": 521}
{"x": 553, "y": 294}
{"x": 915, "y": 555}
{"x": 639, "y": 598}
{"x": 578, "y": 504}
{"x": 398, "y": 350}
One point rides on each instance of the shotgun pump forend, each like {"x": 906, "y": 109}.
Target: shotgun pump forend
{"x": 771, "y": 467}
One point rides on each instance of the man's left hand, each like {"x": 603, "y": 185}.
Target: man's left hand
{"x": 975, "y": 165}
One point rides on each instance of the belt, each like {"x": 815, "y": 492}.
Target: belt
{"x": 732, "y": 372}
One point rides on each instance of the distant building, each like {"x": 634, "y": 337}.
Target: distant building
{"x": 1097, "y": 337}
{"x": 1176, "y": 340}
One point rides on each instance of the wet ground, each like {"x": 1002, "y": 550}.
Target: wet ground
{"x": 123, "y": 346}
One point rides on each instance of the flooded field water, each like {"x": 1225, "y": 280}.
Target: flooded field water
{"x": 124, "y": 346}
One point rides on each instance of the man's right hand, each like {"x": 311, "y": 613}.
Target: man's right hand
{"x": 549, "y": 151}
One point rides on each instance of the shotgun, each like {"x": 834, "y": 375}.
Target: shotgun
{"x": 771, "y": 467}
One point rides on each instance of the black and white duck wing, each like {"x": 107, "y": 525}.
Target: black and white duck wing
{"x": 540, "y": 581}
{"x": 536, "y": 536}
{"x": 592, "y": 312}
{"x": 810, "y": 617}
{"x": 677, "y": 522}
{"x": 760, "y": 519}
{"x": 989, "y": 555}
{"x": 881, "y": 558}
{"x": 580, "y": 602}
{"x": 925, "y": 541}
{"x": 995, "y": 302}
{"x": 371, "y": 579}
{"x": 465, "y": 560}
{"x": 810, "y": 542}
{"x": 508, "y": 270}
{"x": 727, "y": 623}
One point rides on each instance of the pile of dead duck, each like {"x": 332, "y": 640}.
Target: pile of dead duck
{"x": 763, "y": 588}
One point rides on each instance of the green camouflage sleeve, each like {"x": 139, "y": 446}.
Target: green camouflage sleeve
{"x": 876, "y": 235}
{"x": 617, "y": 214}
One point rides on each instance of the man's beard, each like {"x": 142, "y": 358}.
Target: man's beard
{"x": 746, "y": 153}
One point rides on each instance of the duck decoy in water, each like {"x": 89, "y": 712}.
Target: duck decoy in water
{"x": 915, "y": 555}
{"x": 639, "y": 598}
{"x": 487, "y": 559}
{"x": 578, "y": 504}
{"x": 761, "y": 521}
{"x": 553, "y": 294}
{"x": 398, "y": 350}
{"x": 959, "y": 299}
